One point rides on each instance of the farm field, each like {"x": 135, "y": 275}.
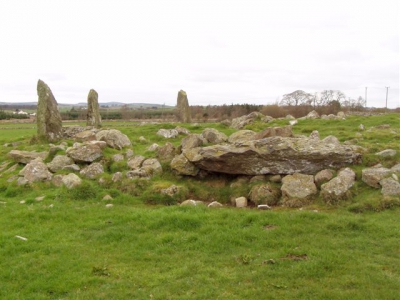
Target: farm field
{"x": 66, "y": 244}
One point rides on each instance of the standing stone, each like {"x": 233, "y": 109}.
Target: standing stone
{"x": 93, "y": 110}
{"x": 48, "y": 118}
{"x": 183, "y": 107}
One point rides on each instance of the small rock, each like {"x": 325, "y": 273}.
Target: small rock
{"x": 39, "y": 198}
{"x": 215, "y": 204}
{"x": 22, "y": 202}
{"x": 263, "y": 207}
{"x": 109, "y": 205}
{"x": 241, "y": 202}
{"x": 107, "y": 197}
{"x": 387, "y": 153}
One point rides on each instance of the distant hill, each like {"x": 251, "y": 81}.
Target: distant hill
{"x": 102, "y": 104}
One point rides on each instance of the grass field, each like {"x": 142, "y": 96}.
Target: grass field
{"x": 76, "y": 248}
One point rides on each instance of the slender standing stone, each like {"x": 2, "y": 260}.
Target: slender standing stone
{"x": 183, "y": 108}
{"x": 93, "y": 110}
{"x": 48, "y": 118}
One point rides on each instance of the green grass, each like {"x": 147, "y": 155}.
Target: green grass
{"x": 79, "y": 249}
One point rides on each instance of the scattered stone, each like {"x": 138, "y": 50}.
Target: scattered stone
{"x": 213, "y": 136}
{"x": 93, "y": 117}
{"x": 290, "y": 117}
{"x": 48, "y": 118}
{"x": 192, "y": 141}
{"x": 241, "y": 202}
{"x": 129, "y": 153}
{"x": 241, "y": 136}
{"x": 24, "y": 157}
{"x": 214, "y": 204}
{"x": 361, "y": 127}
{"x": 387, "y": 153}
{"x": 114, "y": 138}
{"x": 171, "y": 191}
{"x": 323, "y": 176}
{"x": 298, "y": 189}
{"x": 183, "y": 108}
{"x": 285, "y": 131}
{"x": 142, "y": 139}
{"x": 59, "y": 162}
{"x": 339, "y": 187}
{"x": 314, "y": 135}
{"x": 168, "y": 133}
{"x": 22, "y": 202}
{"x": 21, "y": 181}
{"x": 312, "y": 115}
{"x": 331, "y": 140}
{"x": 241, "y": 122}
{"x": 109, "y": 205}
{"x": 71, "y": 180}
{"x": 57, "y": 180}
{"x": 265, "y": 194}
{"x": 166, "y": 152}
{"x": 153, "y": 147}
{"x": 92, "y": 170}
{"x": 390, "y": 187}
{"x": 293, "y": 122}
{"x": 117, "y": 177}
{"x": 152, "y": 166}
{"x": 135, "y": 162}
{"x": 21, "y": 238}
{"x": 11, "y": 169}
{"x": 108, "y": 198}
{"x": 191, "y": 202}
{"x": 183, "y": 166}
{"x": 383, "y": 126}
{"x": 258, "y": 178}
{"x": 36, "y": 171}
{"x": 85, "y": 136}
{"x": 264, "y": 207}
{"x": 396, "y": 168}
{"x": 182, "y": 130}
{"x": 118, "y": 157}
{"x": 73, "y": 168}
{"x": 372, "y": 176}
{"x": 86, "y": 153}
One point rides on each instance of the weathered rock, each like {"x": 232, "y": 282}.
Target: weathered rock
{"x": 275, "y": 155}
{"x": 24, "y": 157}
{"x": 56, "y": 148}
{"x": 152, "y": 166}
{"x": 48, "y": 118}
{"x": 117, "y": 177}
{"x": 153, "y": 147}
{"x": 58, "y": 162}
{"x": 108, "y": 198}
{"x": 57, "y": 180}
{"x": 86, "y": 153}
{"x": 114, "y": 138}
{"x": 118, "y": 157}
{"x": 135, "y": 162}
{"x": 387, "y": 153}
{"x": 183, "y": 166}
{"x": 138, "y": 173}
{"x": 258, "y": 178}
{"x": 312, "y": 115}
{"x": 241, "y": 122}
{"x": 372, "y": 176}
{"x": 166, "y": 152}
{"x": 71, "y": 180}
{"x": 290, "y": 117}
{"x": 73, "y": 168}
{"x": 241, "y": 202}
{"x": 285, "y": 131}
{"x": 214, "y": 136}
{"x": 168, "y": 133}
{"x": 21, "y": 181}
{"x": 101, "y": 144}
{"x": 242, "y": 136}
{"x": 192, "y": 202}
{"x": 183, "y": 108}
{"x": 129, "y": 153}
{"x": 192, "y": 141}
{"x": 171, "y": 191}
{"x": 275, "y": 178}
{"x": 85, "y": 136}
{"x": 361, "y": 127}
{"x": 396, "y": 168}
{"x": 323, "y": 177}
{"x": 339, "y": 187}
{"x": 35, "y": 171}
{"x": 93, "y": 117}
{"x": 293, "y": 122}
{"x": 182, "y": 130}
{"x": 341, "y": 115}
{"x": 332, "y": 140}
{"x": 390, "y": 187}
{"x": 298, "y": 189}
{"x": 214, "y": 204}
{"x": 142, "y": 139}
{"x": 314, "y": 135}
{"x": 265, "y": 194}
{"x": 72, "y": 131}
{"x": 92, "y": 170}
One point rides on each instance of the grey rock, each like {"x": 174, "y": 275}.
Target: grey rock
{"x": 241, "y": 122}
{"x": 312, "y": 115}
{"x": 171, "y": 191}
{"x": 85, "y": 136}
{"x": 387, "y": 153}
{"x": 86, "y": 153}
{"x": 35, "y": 171}
{"x": 298, "y": 189}
{"x": 153, "y": 147}
{"x": 114, "y": 138}
{"x": 192, "y": 202}
{"x": 183, "y": 166}
{"x": 285, "y": 131}
{"x": 241, "y": 202}
{"x": 57, "y": 180}
{"x": 214, "y": 136}
{"x": 73, "y": 168}
{"x": 265, "y": 194}
{"x": 192, "y": 141}
{"x": 135, "y": 162}
{"x": 58, "y": 162}
{"x": 168, "y": 133}
{"x": 214, "y": 204}
{"x": 24, "y": 157}
{"x": 314, "y": 135}
{"x": 93, "y": 117}
{"x": 166, "y": 152}
{"x": 372, "y": 176}
{"x": 116, "y": 177}
{"x": 93, "y": 170}
{"x": 48, "y": 118}
{"x": 118, "y": 157}
{"x": 390, "y": 187}
{"x": 152, "y": 166}
{"x": 323, "y": 176}
{"x": 241, "y": 136}
{"x": 71, "y": 180}
{"x": 182, "y": 130}
{"x": 396, "y": 168}
{"x": 338, "y": 188}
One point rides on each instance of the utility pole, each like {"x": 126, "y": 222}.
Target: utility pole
{"x": 366, "y": 97}
{"x": 387, "y": 92}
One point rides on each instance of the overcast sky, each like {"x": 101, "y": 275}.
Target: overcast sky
{"x": 219, "y": 52}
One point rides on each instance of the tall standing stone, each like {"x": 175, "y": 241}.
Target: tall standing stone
{"x": 183, "y": 108}
{"x": 93, "y": 110}
{"x": 48, "y": 118}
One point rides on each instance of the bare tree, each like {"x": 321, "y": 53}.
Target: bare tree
{"x": 296, "y": 98}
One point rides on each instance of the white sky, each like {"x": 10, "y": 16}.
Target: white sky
{"x": 217, "y": 51}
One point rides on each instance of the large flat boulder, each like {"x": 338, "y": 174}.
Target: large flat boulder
{"x": 24, "y": 157}
{"x": 274, "y": 155}
{"x": 114, "y": 138}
